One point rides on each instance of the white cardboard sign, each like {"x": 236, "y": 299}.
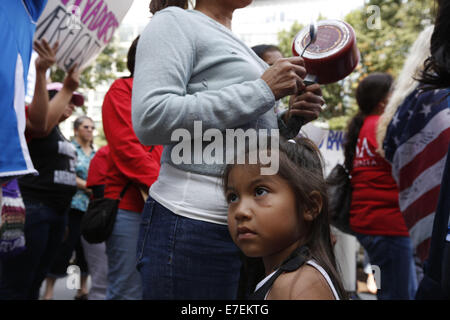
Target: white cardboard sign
{"x": 82, "y": 27}
{"x": 329, "y": 142}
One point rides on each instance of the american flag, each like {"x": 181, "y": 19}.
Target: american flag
{"x": 416, "y": 145}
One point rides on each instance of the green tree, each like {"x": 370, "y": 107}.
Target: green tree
{"x": 382, "y": 49}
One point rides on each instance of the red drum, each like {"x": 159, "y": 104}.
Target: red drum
{"x": 334, "y": 54}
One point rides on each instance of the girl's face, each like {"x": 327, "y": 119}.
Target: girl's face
{"x": 263, "y": 219}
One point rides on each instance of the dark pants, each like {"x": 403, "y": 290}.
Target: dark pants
{"x": 70, "y": 244}
{"x": 22, "y": 275}
{"x": 182, "y": 258}
{"x": 394, "y": 256}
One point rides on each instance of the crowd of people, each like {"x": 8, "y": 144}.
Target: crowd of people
{"x": 206, "y": 228}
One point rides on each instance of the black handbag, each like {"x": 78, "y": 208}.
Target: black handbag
{"x": 98, "y": 221}
{"x": 340, "y": 198}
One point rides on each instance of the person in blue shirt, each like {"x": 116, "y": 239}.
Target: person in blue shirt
{"x": 17, "y": 26}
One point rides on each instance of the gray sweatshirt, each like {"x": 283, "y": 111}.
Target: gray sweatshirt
{"x": 191, "y": 68}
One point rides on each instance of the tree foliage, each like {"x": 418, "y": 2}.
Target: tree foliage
{"x": 383, "y": 48}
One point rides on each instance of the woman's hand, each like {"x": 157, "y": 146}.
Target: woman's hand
{"x": 285, "y": 76}
{"x": 47, "y": 55}
{"x": 72, "y": 80}
{"x": 307, "y": 105}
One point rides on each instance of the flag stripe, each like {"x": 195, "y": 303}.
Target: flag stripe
{"x": 422, "y": 207}
{"x": 435, "y": 150}
{"x": 426, "y": 181}
{"x": 407, "y": 151}
{"x": 421, "y": 231}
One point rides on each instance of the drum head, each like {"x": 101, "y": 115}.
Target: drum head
{"x": 333, "y": 55}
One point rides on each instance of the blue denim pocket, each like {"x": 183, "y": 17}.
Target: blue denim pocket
{"x": 147, "y": 213}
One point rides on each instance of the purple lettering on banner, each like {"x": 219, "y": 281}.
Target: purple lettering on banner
{"x": 93, "y": 13}
{"x": 88, "y": 6}
{"x": 77, "y": 2}
{"x": 112, "y": 23}
{"x": 100, "y": 20}
{"x": 96, "y": 24}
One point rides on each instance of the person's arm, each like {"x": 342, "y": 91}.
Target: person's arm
{"x": 59, "y": 102}
{"x": 128, "y": 154}
{"x": 303, "y": 108}
{"x": 81, "y": 185}
{"x": 307, "y": 283}
{"x": 165, "y": 60}
{"x": 38, "y": 110}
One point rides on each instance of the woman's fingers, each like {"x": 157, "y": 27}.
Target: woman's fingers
{"x": 46, "y": 45}
{"x": 37, "y": 47}
{"x": 299, "y": 70}
{"x": 55, "y": 47}
{"x": 314, "y": 88}
{"x": 308, "y": 104}
{"x": 309, "y": 97}
{"x": 285, "y": 76}
{"x": 296, "y": 60}
{"x": 307, "y": 110}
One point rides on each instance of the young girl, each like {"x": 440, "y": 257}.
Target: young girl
{"x": 283, "y": 218}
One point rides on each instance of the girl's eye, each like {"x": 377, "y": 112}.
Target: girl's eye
{"x": 232, "y": 197}
{"x": 260, "y": 191}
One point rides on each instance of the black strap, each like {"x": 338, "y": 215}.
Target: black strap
{"x": 130, "y": 182}
{"x": 125, "y": 190}
{"x": 292, "y": 263}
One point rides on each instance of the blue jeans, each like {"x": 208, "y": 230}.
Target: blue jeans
{"x": 394, "y": 256}
{"x": 182, "y": 258}
{"x": 22, "y": 275}
{"x": 124, "y": 282}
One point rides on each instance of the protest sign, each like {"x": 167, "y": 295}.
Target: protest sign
{"x": 82, "y": 27}
{"x": 329, "y": 142}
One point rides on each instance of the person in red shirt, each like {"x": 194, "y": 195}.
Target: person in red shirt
{"x": 375, "y": 215}
{"x": 98, "y": 169}
{"x": 128, "y": 160}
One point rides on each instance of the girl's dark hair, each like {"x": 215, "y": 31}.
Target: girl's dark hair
{"x": 157, "y": 5}
{"x": 300, "y": 164}
{"x": 370, "y": 92}
{"x": 436, "y": 73}
{"x": 131, "y": 58}
{"x": 78, "y": 121}
{"x": 261, "y": 49}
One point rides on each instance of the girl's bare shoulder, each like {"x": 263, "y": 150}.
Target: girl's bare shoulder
{"x": 306, "y": 283}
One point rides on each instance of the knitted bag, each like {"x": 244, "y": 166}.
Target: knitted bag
{"x": 12, "y": 220}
